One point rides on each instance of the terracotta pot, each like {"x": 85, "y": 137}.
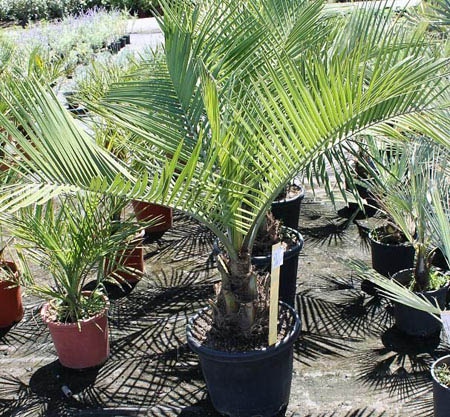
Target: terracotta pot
{"x": 147, "y": 211}
{"x": 11, "y": 308}
{"x": 80, "y": 345}
{"x": 128, "y": 266}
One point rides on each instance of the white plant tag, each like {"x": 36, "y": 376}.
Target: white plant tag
{"x": 445, "y": 317}
{"x": 277, "y": 256}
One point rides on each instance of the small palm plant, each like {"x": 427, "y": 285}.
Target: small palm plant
{"x": 405, "y": 173}
{"x": 433, "y": 203}
{"x": 245, "y": 95}
{"x": 70, "y": 238}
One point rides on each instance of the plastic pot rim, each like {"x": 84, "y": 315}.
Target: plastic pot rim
{"x": 246, "y": 356}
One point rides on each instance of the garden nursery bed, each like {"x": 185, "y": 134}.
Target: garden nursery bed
{"x": 349, "y": 360}
{"x": 100, "y": 125}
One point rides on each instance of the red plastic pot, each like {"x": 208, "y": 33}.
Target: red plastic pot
{"x": 128, "y": 265}
{"x": 147, "y": 211}
{"x": 11, "y": 308}
{"x": 80, "y": 345}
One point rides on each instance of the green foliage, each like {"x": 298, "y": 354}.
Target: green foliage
{"x": 403, "y": 173}
{"x": 442, "y": 374}
{"x": 53, "y": 49}
{"x": 246, "y": 95}
{"x": 24, "y": 11}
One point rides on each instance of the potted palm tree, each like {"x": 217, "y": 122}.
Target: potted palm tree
{"x": 438, "y": 220}
{"x": 402, "y": 189}
{"x": 70, "y": 238}
{"x": 236, "y": 133}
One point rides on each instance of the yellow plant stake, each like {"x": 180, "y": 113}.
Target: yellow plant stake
{"x": 277, "y": 261}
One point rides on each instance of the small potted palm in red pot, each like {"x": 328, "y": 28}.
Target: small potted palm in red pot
{"x": 69, "y": 238}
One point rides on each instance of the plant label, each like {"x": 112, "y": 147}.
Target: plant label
{"x": 445, "y": 317}
{"x": 277, "y": 261}
{"x": 277, "y": 255}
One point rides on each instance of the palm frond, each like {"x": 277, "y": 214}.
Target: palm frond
{"x": 392, "y": 289}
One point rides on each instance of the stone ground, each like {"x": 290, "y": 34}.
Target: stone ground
{"x": 349, "y": 360}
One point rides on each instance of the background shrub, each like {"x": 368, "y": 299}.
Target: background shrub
{"x": 23, "y": 11}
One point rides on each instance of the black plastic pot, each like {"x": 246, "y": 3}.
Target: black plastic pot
{"x": 248, "y": 384}
{"x": 127, "y": 39}
{"x": 439, "y": 260}
{"x": 288, "y": 209}
{"x": 114, "y": 47}
{"x": 387, "y": 259}
{"x": 416, "y": 322}
{"x": 441, "y": 393}
{"x": 288, "y": 271}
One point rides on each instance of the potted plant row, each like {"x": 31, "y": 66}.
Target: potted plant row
{"x": 219, "y": 138}
{"x": 438, "y": 224}
{"x": 403, "y": 190}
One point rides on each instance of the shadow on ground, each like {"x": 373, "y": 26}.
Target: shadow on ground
{"x": 349, "y": 361}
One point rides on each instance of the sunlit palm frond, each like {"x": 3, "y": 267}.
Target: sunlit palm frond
{"x": 393, "y": 290}
{"x": 50, "y": 152}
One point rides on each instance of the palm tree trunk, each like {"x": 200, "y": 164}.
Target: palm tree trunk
{"x": 239, "y": 292}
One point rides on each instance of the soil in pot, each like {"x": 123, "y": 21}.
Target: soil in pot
{"x": 286, "y": 207}
{"x": 415, "y": 322}
{"x": 79, "y": 345}
{"x": 11, "y": 308}
{"x": 250, "y": 383}
{"x": 440, "y": 372}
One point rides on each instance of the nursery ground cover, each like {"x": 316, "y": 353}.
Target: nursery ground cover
{"x": 349, "y": 360}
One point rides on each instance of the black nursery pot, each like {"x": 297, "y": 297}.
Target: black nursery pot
{"x": 441, "y": 393}
{"x": 288, "y": 271}
{"x": 387, "y": 259}
{"x": 288, "y": 209}
{"x": 416, "y": 322}
{"x": 248, "y": 384}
